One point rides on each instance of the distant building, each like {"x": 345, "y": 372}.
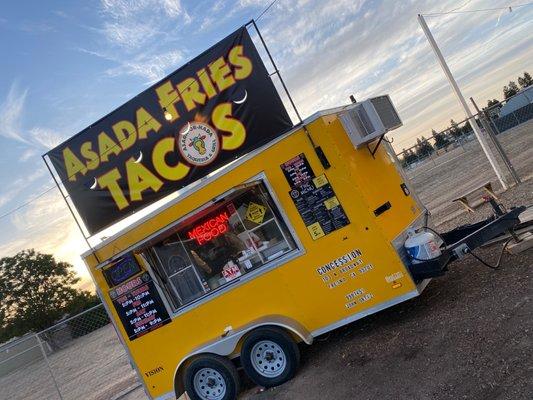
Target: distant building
{"x": 521, "y": 99}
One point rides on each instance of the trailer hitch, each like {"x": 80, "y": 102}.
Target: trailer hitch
{"x": 461, "y": 241}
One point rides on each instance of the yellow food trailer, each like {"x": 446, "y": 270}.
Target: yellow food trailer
{"x": 268, "y": 251}
{"x": 275, "y": 235}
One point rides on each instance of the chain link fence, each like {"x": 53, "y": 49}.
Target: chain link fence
{"x": 459, "y": 134}
{"x": 451, "y": 163}
{"x": 508, "y": 121}
{"x": 80, "y": 357}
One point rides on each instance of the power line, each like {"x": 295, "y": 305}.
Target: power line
{"x": 27, "y": 203}
{"x": 455, "y": 11}
{"x": 266, "y": 10}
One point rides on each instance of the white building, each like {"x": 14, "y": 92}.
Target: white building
{"x": 521, "y": 99}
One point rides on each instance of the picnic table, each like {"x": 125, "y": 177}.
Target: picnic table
{"x": 463, "y": 198}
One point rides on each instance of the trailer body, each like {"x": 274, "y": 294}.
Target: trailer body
{"x": 318, "y": 278}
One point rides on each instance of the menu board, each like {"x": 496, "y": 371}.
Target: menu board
{"x": 297, "y": 170}
{"x": 314, "y": 198}
{"x": 139, "y": 306}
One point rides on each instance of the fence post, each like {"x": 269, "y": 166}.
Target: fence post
{"x": 48, "y": 365}
{"x": 516, "y": 118}
{"x": 485, "y": 122}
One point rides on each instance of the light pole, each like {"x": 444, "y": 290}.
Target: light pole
{"x": 484, "y": 145}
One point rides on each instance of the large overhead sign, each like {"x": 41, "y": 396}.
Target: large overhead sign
{"x": 212, "y": 110}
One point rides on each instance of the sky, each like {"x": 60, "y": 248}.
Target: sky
{"x": 65, "y": 64}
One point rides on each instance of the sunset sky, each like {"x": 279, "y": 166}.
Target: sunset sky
{"x": 67, "y": 64}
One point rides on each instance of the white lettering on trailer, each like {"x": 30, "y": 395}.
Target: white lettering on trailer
{"x": 339, "y": 262}
{"x": 365, "y": 298}
{"x": 351, "y": 266}
{"x": 354, "y": 294}
{"x": 338, "y": 282}
{"x": 355, "y": 301}
{"x": 393, "y": 277}
{"x": 366, "y": 268}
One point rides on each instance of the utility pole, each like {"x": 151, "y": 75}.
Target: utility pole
{"x": 477, "y": 132}
{"x": 485, "y": 122}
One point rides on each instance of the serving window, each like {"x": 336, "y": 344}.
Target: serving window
{"x": 220, "y": 243}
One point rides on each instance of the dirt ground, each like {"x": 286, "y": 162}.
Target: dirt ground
{"x": 468, "y": 336}
{"x": 93, "y": 367}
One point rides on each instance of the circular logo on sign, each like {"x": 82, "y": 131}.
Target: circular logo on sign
{"x": 198, "y": 143}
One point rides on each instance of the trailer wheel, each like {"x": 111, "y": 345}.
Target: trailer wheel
{"x": 211, "y": 377}
{"x": 270, "y": 356}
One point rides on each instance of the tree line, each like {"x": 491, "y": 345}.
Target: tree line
{"x": 36, "y": 291}
{"x": 454, "y": 132}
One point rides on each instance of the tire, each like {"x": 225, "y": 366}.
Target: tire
{"x": 211, "y": 377}
{"x": 270, "y": 356}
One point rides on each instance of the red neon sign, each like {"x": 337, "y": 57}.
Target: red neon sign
{"x": 210, "y": 229}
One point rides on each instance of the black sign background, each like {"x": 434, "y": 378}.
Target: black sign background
{"x": 140, "y": 308}
{"x": 262, "y": 114}
{"x": 309, "y": 201}
{"x": 309, "y": 198}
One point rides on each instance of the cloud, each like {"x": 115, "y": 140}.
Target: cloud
{"x": 34, "y": 225}
{"x": 132, "y": 24}
{"x": 28, "y": 154}
{"x": 138, "y": 35}
{"x": 10, "y": 113}
{"x": 129, "y": 36}
{"x": 327, "y": 51}
{"x": 47, "y": 138}
{"x": 15, "y": 187}
{"x": 152, "y": 67}
{"x": 36, "y": 27}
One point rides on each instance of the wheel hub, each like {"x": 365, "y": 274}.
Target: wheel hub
{"x": 268, "y": 359}
{"x": 209, "y": 384}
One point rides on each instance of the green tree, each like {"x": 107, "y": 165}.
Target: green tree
{"x": 510, "y": 90}
{"x": 492, "y": 103}
{"x": 423, "y": 147}
{"x": 409, "y": 157}
{"x": 454, "y": 130}
{"x": 441, "y": 139}
{"x": 36, "y": 291}
{"x": 467, "y": 128}
{"x": 525, "y": 81}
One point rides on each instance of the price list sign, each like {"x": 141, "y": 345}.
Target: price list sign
{"x": 139, "y": 306}
{"x": 314, "y": 198}
{"x": 297, "y": 170}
